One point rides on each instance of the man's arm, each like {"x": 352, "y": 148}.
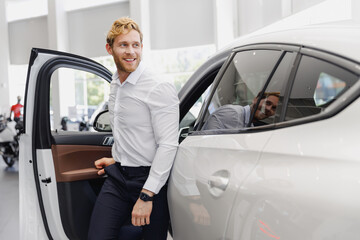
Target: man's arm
{"x": 164, "y": 109}
{"x": 213, "y": 123}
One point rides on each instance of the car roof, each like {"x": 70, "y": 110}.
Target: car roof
{"x": 338, "y": 38}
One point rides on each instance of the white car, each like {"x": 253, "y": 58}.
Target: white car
{"x": 290, "y": 170}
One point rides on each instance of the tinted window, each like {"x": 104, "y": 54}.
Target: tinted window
{"x": 270, "y": 105}
{"x": 238, "y": 89}
{"x": 317, "y": 84}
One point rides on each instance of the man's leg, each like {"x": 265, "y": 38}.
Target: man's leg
{"x": 159, "y": 218}
{"x": 112, "y": 207}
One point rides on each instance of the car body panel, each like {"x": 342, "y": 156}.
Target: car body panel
{"x": 301, "y": 190}
{"x": 301, "y": 183}
{"x": 201, "y": 198}
{"x": 324, "y": 37}
{"x": 31, "y": 224}
{"x": 49, "y": 192}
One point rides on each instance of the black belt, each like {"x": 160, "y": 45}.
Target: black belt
{"x": 133, "y": 171}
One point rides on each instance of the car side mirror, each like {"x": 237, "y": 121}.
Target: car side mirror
{"x": 102, "y": 122}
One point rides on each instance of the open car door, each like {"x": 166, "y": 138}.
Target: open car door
{"x": 57, "y": 178}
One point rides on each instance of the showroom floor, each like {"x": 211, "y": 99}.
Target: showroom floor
{"x": 9, "y": 202}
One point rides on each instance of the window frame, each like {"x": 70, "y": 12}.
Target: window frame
{"x": 42, "y": 118}
{"x": 337, "y": 106}
{"x": 282, "y": 48}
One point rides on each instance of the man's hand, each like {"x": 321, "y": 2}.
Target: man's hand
{"x": 142, "y": 211}
{"x": 102, "y": 163}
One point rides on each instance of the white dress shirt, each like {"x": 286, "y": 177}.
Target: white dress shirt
{"x": 144, "y": 116}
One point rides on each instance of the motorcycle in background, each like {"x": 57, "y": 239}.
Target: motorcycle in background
{"x": 9, "y": 139}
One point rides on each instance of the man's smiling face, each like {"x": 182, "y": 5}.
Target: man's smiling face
{"x": 126, "y": 50}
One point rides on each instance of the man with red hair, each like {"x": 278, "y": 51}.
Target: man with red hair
{"x": 144, "y": 116}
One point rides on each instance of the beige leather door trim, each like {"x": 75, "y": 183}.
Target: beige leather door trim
{"x": 76, "y": 162}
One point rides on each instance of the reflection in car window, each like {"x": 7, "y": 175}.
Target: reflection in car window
{"x": 317, "y": 84}
{"x": 327, "y": 88}
{"x": 274, "y": 93}
{"x": 239, "y": 89}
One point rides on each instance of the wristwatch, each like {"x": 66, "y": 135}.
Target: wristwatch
{"x": 146, "y": 198}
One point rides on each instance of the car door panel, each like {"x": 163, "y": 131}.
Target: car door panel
{"x": 207, "y": 173}
{"x": 304, "y": 185}
{"x": 293, "y": 198}
{"x": 213, "y": 163}
{"x": 75, "y": 194}
{"x": 78, "y": 184}
{"x": 76, "y": 162}
{"x": 61, "y": 163}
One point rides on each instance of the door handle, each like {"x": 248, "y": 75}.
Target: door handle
{"x": 218, "y": 182}
{"x": 108, "y": 141}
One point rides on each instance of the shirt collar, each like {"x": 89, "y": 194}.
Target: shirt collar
{"x": 133, "y": 77}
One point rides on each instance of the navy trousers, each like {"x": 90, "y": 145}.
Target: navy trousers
{"x": 111, "y": 216}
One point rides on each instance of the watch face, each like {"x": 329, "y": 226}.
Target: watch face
{"x": 145, "y": 197}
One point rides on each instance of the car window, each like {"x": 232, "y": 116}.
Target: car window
{"x": 80, "y": 95}
{"x": 317, "y": 84}
{"x": 239, "y": 89}
{"x": 270, "y": 105}
{"x": 191, "y": 116}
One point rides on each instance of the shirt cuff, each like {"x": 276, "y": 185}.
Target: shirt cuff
{"x": 153, "y": 184}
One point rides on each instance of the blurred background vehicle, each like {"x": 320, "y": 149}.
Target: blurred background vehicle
{"x": 9, "y": 139}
